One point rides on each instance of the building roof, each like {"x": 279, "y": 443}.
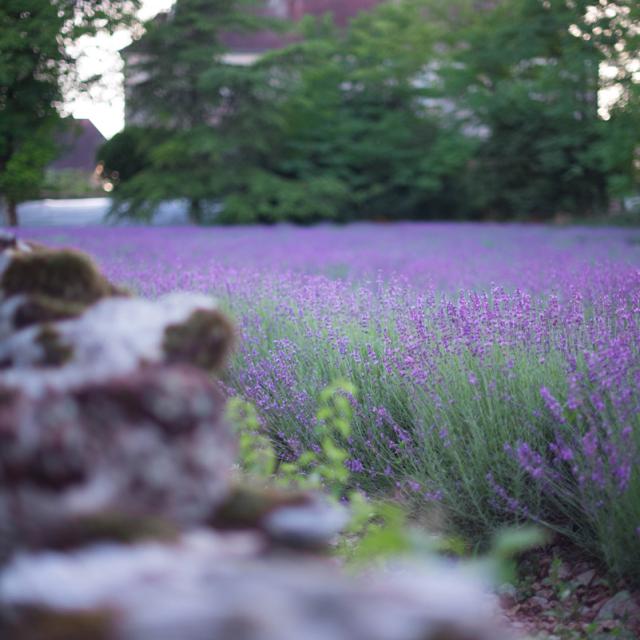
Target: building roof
{"x": 79, "y": 143}
{"x": 294, "y": 10}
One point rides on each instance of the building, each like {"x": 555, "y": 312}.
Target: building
{"x": 245, "y": 48}
{"x": 78, "y": 144}
{"x": 74, "y": 172}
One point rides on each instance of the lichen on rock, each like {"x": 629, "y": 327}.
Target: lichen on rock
{"x": 35, "y": 309}
{"x": 39, "y": 623}
{"x": 209, "y": 585}
{"x": 40, "y": 285}
{"x": 116, "y": 336}
{"x": 289, "y": 519}
{"x": 108, "y": 526}
{"x": 152, "y": 444}
{"x": 11, "y": 246}
{"x": 204, "y": 339}
{"x": 64, "y": 275}
{"x": 247, "y": 506}
{"x": 55, "y": 352}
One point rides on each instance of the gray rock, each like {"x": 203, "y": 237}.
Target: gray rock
{"x": 621, "y": 607}
{"x": 311, "y": 525}
{"x": 115, "y": 337}
{"x": 152, "y": 443}
{"x": 212, "y": 586}
{"x": 585, "y": 578}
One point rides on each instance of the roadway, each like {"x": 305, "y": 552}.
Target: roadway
{"x": 83, "y": 212}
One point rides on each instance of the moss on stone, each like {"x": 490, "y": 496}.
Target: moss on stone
{"x": 37, "y": 309}
{"x": 55, "y": 352}
{"x": 110, "y": 527}
{"x": 203, "y": 340}
{"x": 247, "y": 506}
{"x": 64, "y": 275}
{"x": 35, "y": 623}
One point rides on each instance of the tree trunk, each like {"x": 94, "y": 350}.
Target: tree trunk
{"x": 195, "y": 211}
{"x": 12, "y": 213}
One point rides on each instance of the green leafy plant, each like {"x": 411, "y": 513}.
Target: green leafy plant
{"x": 256, "y": 455}
{"x": 321, "y": 470}
{"x": 378, "y": 529}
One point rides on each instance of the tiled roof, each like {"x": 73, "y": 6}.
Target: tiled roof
{"x": 78, "y": 143}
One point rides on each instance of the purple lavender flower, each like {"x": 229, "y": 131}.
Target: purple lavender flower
{"x": 552, "y": 404}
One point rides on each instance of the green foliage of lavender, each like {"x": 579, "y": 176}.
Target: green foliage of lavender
{"x": 505, "y": 432}
{"x": 497, "y": 367}
{"x": 376, "y": 529}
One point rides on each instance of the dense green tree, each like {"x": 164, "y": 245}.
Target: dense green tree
{"x": 127, "y": 153}
{"x": 35, "y": 65}
{"x": 417, "y": 109}
{"x": 362, "y": 113}
{"x": 532, "y": 72}
{"x": 28, "y": 90}
{"x": 203, "y": 114}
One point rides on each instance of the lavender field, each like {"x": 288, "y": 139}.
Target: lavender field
{"x": 497, "y": 367}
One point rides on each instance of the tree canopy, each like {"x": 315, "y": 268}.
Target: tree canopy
{"x": 200, "y": 113}
{"x": 533, "y": 73}
{"x": 35, "y": 67}
{"x": 417, "y": 109}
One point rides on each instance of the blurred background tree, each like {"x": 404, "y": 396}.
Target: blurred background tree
{"x": 416, "y": 109}
{"x": 35, "y": 67}
{"x": 201, "y": 113}
{"x": 532, "y": 73}
{"x": 365, "y": 111}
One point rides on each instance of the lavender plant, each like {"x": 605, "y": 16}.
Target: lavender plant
{"x": 498, "y": 366}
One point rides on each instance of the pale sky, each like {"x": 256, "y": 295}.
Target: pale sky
{"x": 104, "y": 106}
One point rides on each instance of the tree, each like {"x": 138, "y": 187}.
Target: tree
{"x": 416, "y": 109}
{"x": 531, "y": 72}
{"x": 362, "y": 120}
{"x": 334, "y": 126}
{"x": 35, "y": 65}
{"x": 203, "y": 114}
{"x": 125, "y": 154}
